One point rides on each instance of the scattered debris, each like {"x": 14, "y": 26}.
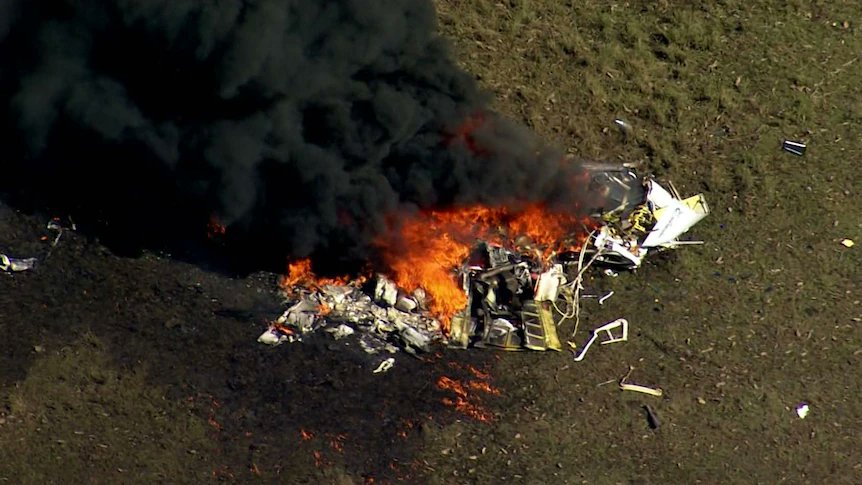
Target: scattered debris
{"x": 652, "y": 417}
{"x": 794, "y": 147}
{"x": 57, "y": 226}
{"x": 604, "y": 298}
{"x": 643, "y": 389}
{"x": 516, "y": 295}
{"x": 847, "y": 243}
{"x": 343, "y": 310}
{"x": 648, "y": 217}
{"x": 609, "y": 336}
{"x": 385, "y": 365}
{"x": 340, "y": 331}
{"x": 624, "y": 127}
{"x": 802, "y": 410}
{"x": 386, "y": 291}
{"x": 16, "y": 264}
{"x": 276, "y": 335}
{"x": 624, "y": 386}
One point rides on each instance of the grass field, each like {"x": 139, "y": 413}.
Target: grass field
{"x": 739, "y": 331}
{"x": 110, "y": 374}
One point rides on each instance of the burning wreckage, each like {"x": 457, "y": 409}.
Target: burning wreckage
{"x": 516, "y": 297}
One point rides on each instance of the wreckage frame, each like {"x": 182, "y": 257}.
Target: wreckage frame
{"x": 517, "y": 298}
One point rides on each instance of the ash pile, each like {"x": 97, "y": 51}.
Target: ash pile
{"x": 517, "y": 298}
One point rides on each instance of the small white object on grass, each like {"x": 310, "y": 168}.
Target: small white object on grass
{"x": 385, "y": 365}
{"x": 802, "y": 410}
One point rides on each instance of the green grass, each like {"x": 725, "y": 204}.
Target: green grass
{"x": 77, "y": 415}
{"x": 753, "y": 322}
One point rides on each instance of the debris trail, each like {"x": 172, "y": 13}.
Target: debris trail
{"x": 505, "y": 291}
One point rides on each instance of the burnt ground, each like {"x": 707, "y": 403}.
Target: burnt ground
{"x": 148, "y": 368}
{"x": 145, "y": 368}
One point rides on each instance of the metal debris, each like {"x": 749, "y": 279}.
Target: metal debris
{"x": 373, "y": 344}
{"x": 385, "y": 365}
{"x": 344, "y": 310}
{"x": 794, "y": 147}
{"x": 274, "y": 336}
{"x": 412, "y": 337}
{"x": 56, "y": 225}
{"x": 604, "y": 298}
{"x": 633, "y": 229}
{"x": 624, "y": 127}
{"x": 386, "y": 291}
{"x": 340, "y": 331}
{"x": 652, "y": 417}
{"x": 16, "y": 264}
{"x": 641, "y": 389}
{"x": 624, "y": 386}
{"x": 406, "y": 304}
{"x": 610, "y": 338}
{"x": 516, "y": 296}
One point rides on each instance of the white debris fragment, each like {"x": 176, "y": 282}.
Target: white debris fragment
{"x": 302, "y": 316}
{"x": 273, "y": 336}
{"x": 604, "y": 298}
{"x": 16, "y": 264}
{"x": 612, "y": 244}
{"x": 413, "y": 337}
{"x": 673, "y": 216}
{"x": 420, "y": 297}
{"x": 641, "y": 389}
{"x": 386, "y": 290}
{"x": 624, "y": 127}
{"x": 625, "y": 386}
{"x": 337, "y": 293}
{"x": 340, "y": 331}
{"x": 802, "y": 410}
{"x": 548, "y": 286}
{"x": 406, "y": 303}
{"x": 385, "y": 365}
{"x": 609, "y": 337}
{"x": 847, "y": 243}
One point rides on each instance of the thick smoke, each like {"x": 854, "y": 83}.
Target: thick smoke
{"x": 300, "y": 124}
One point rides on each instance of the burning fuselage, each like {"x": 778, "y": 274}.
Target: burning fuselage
{"x": 507, "y": 278}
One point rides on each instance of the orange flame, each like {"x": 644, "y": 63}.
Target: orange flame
{"x": 429, "y": 247}
{"x": 463, "y": 402}
{"x": 300, "y": 275}
{"x": 337, "y": 442}
{"x": 480, "y": 374}
{"x": 215, "y": 228}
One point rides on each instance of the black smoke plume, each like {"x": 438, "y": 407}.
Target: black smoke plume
{"x": 299, "y": 124}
